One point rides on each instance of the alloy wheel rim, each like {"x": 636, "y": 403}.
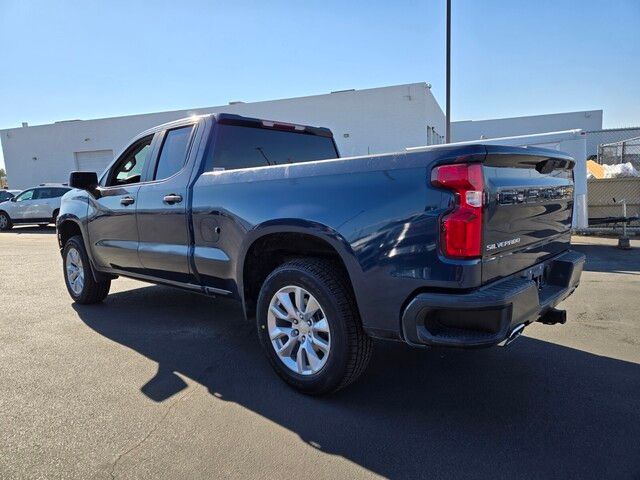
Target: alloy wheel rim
{"x": 299, "y": 330}
{"x": 3, "y": 221}
{"x": 75, "y": 271}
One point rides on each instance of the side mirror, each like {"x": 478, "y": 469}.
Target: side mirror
{"x": 83, "y": 180}
{"x": 12, "y": 199}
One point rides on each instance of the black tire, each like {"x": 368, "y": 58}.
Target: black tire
{"x": 350, "y": 346}
{"x": 54, "y": 218}
{"x": 5, "y": 223}
{"x": 91, "y": 291}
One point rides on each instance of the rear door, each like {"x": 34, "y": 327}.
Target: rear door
{"x": 41, "y": 206}
{"x": 528, "y": 210}
{"x": 162, "y": 207}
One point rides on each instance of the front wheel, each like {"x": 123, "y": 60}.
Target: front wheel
{"x": 309, "y": 327}
{"x": 5, "y": 222}
{"x": 78, "y": 275}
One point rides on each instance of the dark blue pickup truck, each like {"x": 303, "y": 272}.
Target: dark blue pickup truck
{"x": 458, "y": 246}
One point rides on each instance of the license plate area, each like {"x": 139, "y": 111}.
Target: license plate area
{"x": 538, "y": 274}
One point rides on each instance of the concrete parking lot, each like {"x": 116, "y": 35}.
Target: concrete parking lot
{"x": 160, "y": 383}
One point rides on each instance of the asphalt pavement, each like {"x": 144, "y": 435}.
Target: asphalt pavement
{"x": 160, "y": 383}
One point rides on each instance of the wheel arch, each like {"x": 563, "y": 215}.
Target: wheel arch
{"x": 68, "y": 226}
{"x": 273, "y": 243}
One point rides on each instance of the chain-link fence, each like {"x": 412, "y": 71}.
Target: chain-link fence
{"x": 595, "y": 138}
{"x": 620, "y": 152}
{"x": 606, "y": 197}
{"x": 613, "y": 147}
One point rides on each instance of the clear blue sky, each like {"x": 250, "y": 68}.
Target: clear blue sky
{"x": 63, "y": 60}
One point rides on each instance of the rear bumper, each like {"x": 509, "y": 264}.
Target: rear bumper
{"x": 488, "y": 315}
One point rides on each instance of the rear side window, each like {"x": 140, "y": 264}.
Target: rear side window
{"x": 53, "y": 192}
{"x": 245, "y": 147}
{"x": 174, "y": 152}
{"x": 41, "y": 193}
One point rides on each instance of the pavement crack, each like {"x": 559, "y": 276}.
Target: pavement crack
{"x": 155, "y": 427}
{"x": 199, "y": 379}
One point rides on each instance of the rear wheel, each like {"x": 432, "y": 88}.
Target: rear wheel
{"x": 309, "y": 327}
{"x": 5, "y": 221}
{"x": 78, "y": 275}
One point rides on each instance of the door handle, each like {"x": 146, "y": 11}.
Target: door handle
{"x": 172, "y": 198}
{"x": 126, "y": 201}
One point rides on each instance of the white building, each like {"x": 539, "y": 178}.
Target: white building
{"x": 469, "y": 130}
{"x": 374, "y": 120}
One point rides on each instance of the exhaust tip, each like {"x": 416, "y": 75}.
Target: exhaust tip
{"x": 554, "y": 316}
{"x": 515, "y": 333}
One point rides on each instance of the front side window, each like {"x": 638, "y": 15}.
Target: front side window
{"x": 26, "y": 195}
{"x": 244, "y": 147}
{"x": 128, "y": 170}
{"x": 174, "y": 152}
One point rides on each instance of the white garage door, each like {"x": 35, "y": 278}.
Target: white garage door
{"x": 94, "y": 160}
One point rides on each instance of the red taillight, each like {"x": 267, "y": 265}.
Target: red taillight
{"x": 461, "y": 230}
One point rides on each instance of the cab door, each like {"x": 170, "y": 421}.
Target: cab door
{"x": 112, "y": 225}
{"x": 22, "y": 204}
{"x": 162, "y": 212}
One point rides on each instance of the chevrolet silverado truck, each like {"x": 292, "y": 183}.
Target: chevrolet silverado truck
{"x": 453, "y": 245}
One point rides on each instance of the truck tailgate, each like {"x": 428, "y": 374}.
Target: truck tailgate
{"x": 528, "y": 209}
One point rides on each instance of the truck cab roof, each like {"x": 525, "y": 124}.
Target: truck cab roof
{"x": 233, "y": 119}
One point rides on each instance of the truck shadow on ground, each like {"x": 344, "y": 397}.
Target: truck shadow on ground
{"x": 536, "y": 409}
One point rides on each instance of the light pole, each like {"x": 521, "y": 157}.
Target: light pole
{"x": 448, "y": 75}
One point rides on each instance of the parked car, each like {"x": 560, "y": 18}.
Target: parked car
{"x": 39, "y": 205}
{"x": 458, "y": 246}
{"x": 8, "y": 194}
